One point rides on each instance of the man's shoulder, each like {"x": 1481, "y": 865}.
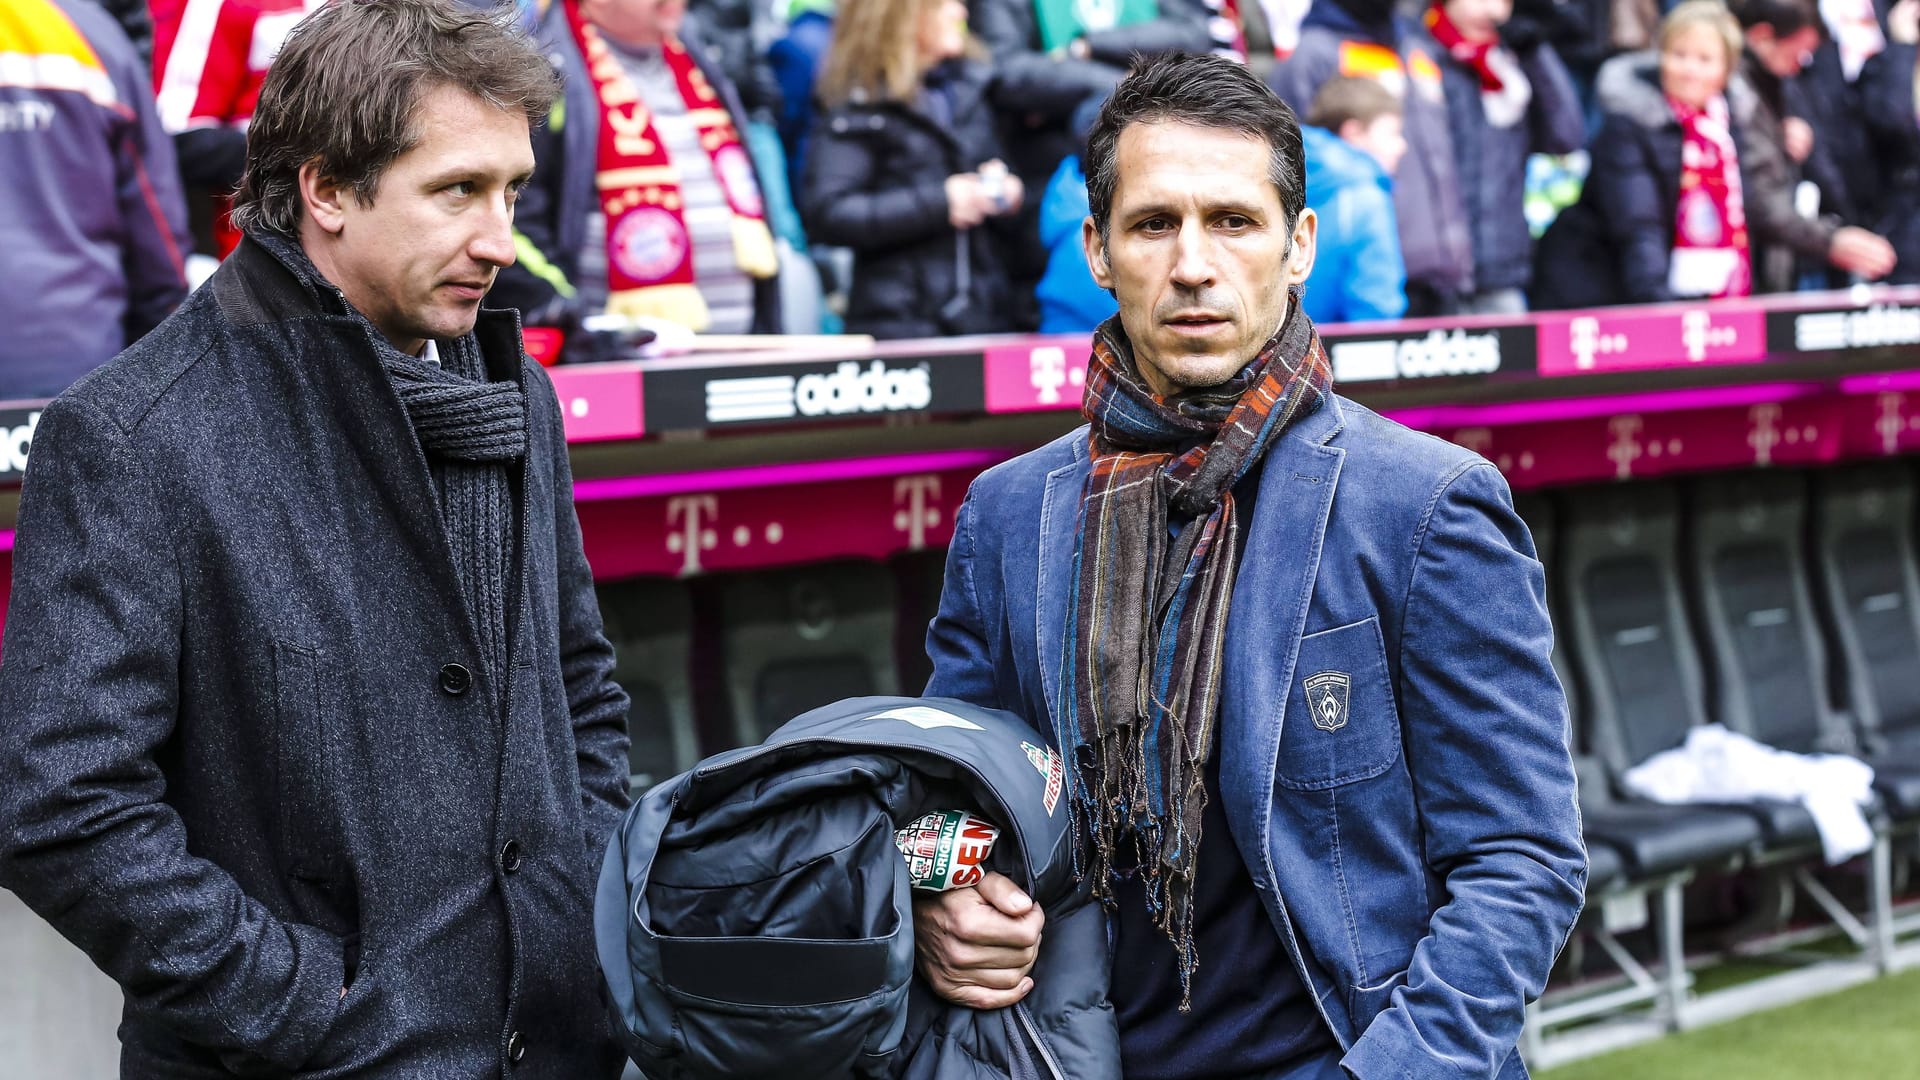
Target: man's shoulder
{"x": 1385, "y": 455}
{"x": 1011, "y": 485}
{"x": 132, "y": 387}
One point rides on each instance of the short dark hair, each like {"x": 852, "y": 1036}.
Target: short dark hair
{"x": 1351, "y": 97}
{"x": 345, "y": 94}
{"x": 1785, "y": 17}
{"x": 1209, "y": 91}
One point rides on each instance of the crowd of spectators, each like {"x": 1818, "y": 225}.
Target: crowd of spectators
{"x": 911, "y": 168}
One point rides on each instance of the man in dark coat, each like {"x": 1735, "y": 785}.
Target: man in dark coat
{"x": 307, "y": 734}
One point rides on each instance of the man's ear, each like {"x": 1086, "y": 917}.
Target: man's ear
{"x": 1096, "y": 250}
{"x": 324, "y": 198}
{"x": 1306, "y": 233}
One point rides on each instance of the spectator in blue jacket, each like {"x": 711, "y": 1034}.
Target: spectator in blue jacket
{"x": 93, "y": 224}
{"x": 1071, "y": 302}
{"x": 1354, "y": 138}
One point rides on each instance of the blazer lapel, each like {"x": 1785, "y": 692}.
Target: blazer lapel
{"x": 1059, "y": 529}
{"x": 1270, "y": 600}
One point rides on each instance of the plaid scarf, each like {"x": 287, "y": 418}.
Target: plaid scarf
{"x": 1150, "y": 607}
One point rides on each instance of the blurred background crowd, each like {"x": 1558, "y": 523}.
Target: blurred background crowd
{"x": 911, "y": 168}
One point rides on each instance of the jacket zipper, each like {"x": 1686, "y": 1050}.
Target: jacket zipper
{"x": 1033, "y": 1033}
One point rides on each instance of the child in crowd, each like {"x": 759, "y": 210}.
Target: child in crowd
{"x": 904, "y": 168}
{"x": 1354, "y": 137}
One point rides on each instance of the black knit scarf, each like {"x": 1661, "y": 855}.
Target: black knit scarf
{"x": 471, "y": 431}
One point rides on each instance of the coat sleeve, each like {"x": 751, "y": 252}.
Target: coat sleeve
{"x": 151, "y": 205}
{"x": 1376, "y": 278}
{"x": 1027, "y": 80}
{"x": 89, "y": 695}
{"x": 1626, "y": 189}
{"x": 957, "y": 637}
{"x": 596, "y": 703}
{"x": 1886, "y": 96}
{"x": 1767, "y": 179}
{"x": 1558, "y": 123}
{"x": 844, "y": 202}
{"x": 1481, "y": 711}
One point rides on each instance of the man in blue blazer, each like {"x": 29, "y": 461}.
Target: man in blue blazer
{"x": 1296, "y": 656}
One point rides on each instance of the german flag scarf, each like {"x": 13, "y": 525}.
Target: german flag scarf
{"x": 1143, "y": 659}
{"x": 649, "y": 250}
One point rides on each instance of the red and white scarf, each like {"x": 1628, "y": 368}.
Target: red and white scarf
{"x": 1711, "y": 256}
{"x": 1505, "y": 92}
{"x": 649, "y": 249}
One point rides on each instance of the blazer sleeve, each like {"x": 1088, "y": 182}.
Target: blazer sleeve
{"x": 89, "y": 694}
{"x": 1481, "y": 711}
{"x": 1886, "y": 96}
{"x": 1626, "y": 188}
{"x": 597, "y": 704}
{"x": 957, "y": 637}
{"x": 844, "y": 203}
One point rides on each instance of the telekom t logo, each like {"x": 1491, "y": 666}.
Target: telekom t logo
{"x": 688, "y": 535}
{"x": 1587, "y": 343}
{"x": 1892, "y": 422}
{"x": 1765, "y": 433}
{"x": 917, "y": 501}
{"x": 1698, "y": 334}
{"x": 1047, "y": 367}
{"x": 1626, "y": 447}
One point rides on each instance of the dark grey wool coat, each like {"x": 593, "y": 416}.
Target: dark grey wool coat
{"x": 247, "y": 755}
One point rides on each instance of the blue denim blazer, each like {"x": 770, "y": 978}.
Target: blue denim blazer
{"x": 1418, "y": 844}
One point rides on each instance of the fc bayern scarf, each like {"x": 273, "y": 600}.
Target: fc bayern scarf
{"x": 1142, "y": 664}
{"x": 1711, "y": 255}
{"x": 1505, "y": 92}
{"x": 649, "y": 249}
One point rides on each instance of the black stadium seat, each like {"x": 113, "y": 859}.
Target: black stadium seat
{"x": 650, "y": 623}
{"x": 1865, "y": 548}
{"x": 1633, "y": 648}
{"x": 1645, "y": 840}
{"x": 798, "y": 639}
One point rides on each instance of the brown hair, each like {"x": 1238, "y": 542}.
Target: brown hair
{"x": 1349, "y": 97}
{"x": 1711, "y": 14}
{"x": 345, "y": 94}
{"x": 875, "y": 53}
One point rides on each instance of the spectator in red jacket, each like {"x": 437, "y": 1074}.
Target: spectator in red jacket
{"x": 209, "y": 58}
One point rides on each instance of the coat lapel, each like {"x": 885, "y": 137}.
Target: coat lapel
{"x": 1269, "y": 612}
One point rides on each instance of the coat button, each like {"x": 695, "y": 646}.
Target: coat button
{"x": 516, "y": 1048}
{"x": 510, "y": 856}
{"x": 455, "y": 679}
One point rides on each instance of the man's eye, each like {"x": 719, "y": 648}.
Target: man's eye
{"x": 1154, "y": 225}
{"x": 462, "y": 189}
{"x": 1235, "y": 222}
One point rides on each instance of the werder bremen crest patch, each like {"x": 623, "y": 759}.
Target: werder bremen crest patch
{"x": 1327, "y": 699}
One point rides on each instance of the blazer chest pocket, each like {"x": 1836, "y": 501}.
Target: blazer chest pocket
{"x": 1341, "y": 724}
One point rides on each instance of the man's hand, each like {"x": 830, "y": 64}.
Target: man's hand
{"x": 967, "y": 203}
{"x": 1797, "y": 137}
{"x": 975, "y": 946}
{"x": 1858, "y": 251}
